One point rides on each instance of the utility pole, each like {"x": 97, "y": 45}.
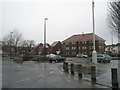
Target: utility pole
{"x": 11, "y": 48}
{"x": 94, "y": 53}
{"x": 45, "y": 41}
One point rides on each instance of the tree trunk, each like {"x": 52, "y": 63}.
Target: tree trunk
{"x": 15, "y": 51}
{"x": 119, "y": 62}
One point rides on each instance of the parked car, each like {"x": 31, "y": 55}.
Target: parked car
{"x": 1, "y": 52}
{"x": 81, "y": 56}
{"x": 103, "y": 58}
{"x": 56, "y": 58}
{"x": 50, "y": 55}
{"x": 27, "y": 57}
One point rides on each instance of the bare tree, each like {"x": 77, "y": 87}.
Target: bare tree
{"x": 11, "y": 41}
{"x": 27, "y": 46}
{"x": 114, "y": 18}
{"x": 114, "y": 24}
{"x": 28, "y": 43}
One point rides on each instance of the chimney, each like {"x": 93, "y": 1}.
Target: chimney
{"x": 83, "y": 33}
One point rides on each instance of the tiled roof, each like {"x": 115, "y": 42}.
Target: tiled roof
{"x": 80, "y": 37}
{"x": 39, "y": 45}
{"x": 54, "y": 43}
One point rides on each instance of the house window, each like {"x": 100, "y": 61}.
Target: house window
{"x": 100, "y": 47}
{"x": 73, "y": 43}
{"x": 73, "y": 48}
{"x": 66, "y": 43}
{"x": 67, "y": 48}
{"x": 102, "y": 41}
{"x": 73, "y": 53}
{"x": 85, "y": 52}
{"x": 82, "y": 47}
{"x": 90, "y": 47}
{"x": 91, "y": 41}
{"x": 80, "y": 42}
{"x": 67, "y": 53}
{"x": 85, "y": 42}
{"x": 79, "y": 47}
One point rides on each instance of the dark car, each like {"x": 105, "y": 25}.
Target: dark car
{"x": 103, "y": 58}
{"x": 56, "y": 58}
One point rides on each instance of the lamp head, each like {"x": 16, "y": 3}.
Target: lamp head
{"x": 46, "y": 18}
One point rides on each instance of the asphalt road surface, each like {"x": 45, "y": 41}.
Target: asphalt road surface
{"x": 31, "y": 74}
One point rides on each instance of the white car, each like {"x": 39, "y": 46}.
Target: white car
{"x": 1, "y": 52}
{"x": 50, "y": 55}
{"x": 82, "y": 56}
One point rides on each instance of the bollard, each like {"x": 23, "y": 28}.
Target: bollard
{"x": 66, "y": 67}
{"x": 93, "y": 74}
{"x": 79, "y": 71}
{"x": 114, "y": 78}
{"x": 72, "y": 68}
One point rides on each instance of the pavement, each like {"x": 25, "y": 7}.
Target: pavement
{"x": 31, "y": 74}
{"x": 103, "y": 70}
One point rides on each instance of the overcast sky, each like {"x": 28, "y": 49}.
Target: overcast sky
{"x": 65, "y": 18}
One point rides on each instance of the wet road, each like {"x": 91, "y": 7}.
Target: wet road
{"x": 40, "y": 75}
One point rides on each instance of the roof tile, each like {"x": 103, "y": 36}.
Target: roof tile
{"x": 80, "y": 37}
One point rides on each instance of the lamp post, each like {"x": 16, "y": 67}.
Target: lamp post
{"x": 45, "y": 37}
{"x": 94, "y": 53}
{"x": 11, "y": 48}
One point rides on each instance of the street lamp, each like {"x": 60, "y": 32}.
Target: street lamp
{"x": 45, "y": 41}
{"x": 45, "y": 37}
{"x": 94, "y": 53}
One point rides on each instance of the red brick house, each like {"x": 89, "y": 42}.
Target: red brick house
{"x": 83, "y": 44}
{"x": 56, "y": 46}
{"x": 39, "y": 48}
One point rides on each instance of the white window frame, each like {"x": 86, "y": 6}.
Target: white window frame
{"x": 67, "y": 48}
